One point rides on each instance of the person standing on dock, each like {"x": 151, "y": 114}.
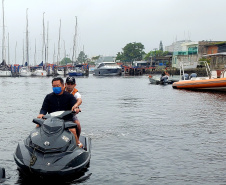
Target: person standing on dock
{"x": 70, "y": 87}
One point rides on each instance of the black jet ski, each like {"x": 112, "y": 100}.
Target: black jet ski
{"x": 50, "y": 150}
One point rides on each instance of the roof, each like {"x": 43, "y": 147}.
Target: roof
{"x": 216, "y": 54}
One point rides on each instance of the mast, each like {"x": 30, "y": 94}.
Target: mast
{"x": 15, "y": 51}
{"x": 8, "y": 50}
{"x": 54, "y": 54}
{"x": 58, "y": 55}
{"x": 74, "y": 45}
{"x": 43, "y": 37}
{"x": 47, "y": 43}
{"x": 3, "y": 33}
{"x": 35, "y": 54}
{"x": 27, "y": 41}
{"x": 23, "y": 53}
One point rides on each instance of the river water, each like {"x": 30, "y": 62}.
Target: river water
{"x": 141, "y": 133}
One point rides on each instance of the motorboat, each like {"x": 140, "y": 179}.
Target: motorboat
{"x": 50, "y": 150}
{"x": 157, "y": 79}
{"x": 210, "y": 82}
{"x": 25, "y": 72}
{"x": 39, "y": 72}
{"x": 108, "y": 69}
{"x": 79, "y": 70}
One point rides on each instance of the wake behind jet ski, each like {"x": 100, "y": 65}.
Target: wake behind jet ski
{"x": 50, "y": 150}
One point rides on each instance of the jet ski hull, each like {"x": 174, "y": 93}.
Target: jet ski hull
{"x": 52, "y": 164}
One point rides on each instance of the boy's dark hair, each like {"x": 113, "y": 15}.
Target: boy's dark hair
{"x": 58, "y": 78}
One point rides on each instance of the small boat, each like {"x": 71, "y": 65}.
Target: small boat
{"x": 79, "y": 70}
{"x": 50, "y": 151}
{"x": 39, "y": 72}
{"x": 211, "y": 82}
{"x": 25, "y": 72}
{"x": 159, "y": 79}
{"x": 108, "y": 69}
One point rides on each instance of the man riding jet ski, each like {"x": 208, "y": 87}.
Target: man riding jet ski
{"x": 51, "y": 150}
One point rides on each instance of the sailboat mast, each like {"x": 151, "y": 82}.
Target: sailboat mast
{"x": 47, "y": 43}
{"x": 3, "y": 33}
{"x": 35, "y": 54}
{"x": 58, "y": 55}
{"x": 27, "y": 41}
{"x": 8, "y": 50}
{"x": 74, "y": 45}
{"x": 43, "y": 37}
{"x": 23, "y": 53}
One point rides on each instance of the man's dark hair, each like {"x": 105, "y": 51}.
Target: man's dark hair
{"x": 58, "y": 78}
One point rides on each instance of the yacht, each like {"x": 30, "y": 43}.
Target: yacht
{"x": 108, "y": 69}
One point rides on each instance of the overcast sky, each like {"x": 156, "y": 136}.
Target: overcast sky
{"x": 106, "y": 26}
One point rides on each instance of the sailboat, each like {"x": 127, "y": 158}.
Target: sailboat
{"x": 60, "y": 71}
{"x": 78, "y": 69}
{"x": 25, "y": 70}
{"x": 4, "y": 68}
{"x": 39, "y": 70}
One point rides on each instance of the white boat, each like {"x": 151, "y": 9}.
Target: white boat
{"x": 5, "y": 73}
{"x": 25, "y": 72}
{"x": 108, "y": 69}
{"x": 4, "y": 68}
{"x": 39, "y": 72}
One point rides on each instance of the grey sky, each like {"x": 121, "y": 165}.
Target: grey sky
{"x": 106, "y": 26}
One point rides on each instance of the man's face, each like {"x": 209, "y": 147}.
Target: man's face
{"x": 70, "y": 86}
{"x": 57, "y": 84}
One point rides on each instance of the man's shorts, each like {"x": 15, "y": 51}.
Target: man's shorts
{"x": 75, "y": 117}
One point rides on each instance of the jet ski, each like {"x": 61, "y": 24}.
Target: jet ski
{"x": 50, "y": 150}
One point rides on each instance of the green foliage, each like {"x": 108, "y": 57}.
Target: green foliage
{"x": 82, "y": 57}
{"x": 65, "y": 61}
{"x": 131, "y": 52}
{"x": 157, "y": 53}
{"x": 205, "y": 59}
{"x": 96, "y": 57}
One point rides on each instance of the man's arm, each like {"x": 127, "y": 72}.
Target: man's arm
{"x": 44, "y": 108}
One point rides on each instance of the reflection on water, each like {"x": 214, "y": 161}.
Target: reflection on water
{"x": 141, "y": 133}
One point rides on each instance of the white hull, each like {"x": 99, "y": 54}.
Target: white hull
{"x": 25, "y": 72}
{"x": 39, "y": 72}
{"x": 5, "y": 73}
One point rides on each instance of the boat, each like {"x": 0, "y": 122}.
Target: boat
{"x": 25, "y": 71}
{"x": 39, "y": 71}
{"x": 108, "y": 69}
{"x": 211, "y": 82}
{"x": 159, "y": 79}
{"x": 79, "y": 70}
{"x": 5, "y": 70}
{"x": 50, "y": 150}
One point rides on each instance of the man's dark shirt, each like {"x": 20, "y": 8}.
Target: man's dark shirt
{"x": 53, "y": 102}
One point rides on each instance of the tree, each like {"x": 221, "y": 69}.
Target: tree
{"x": 82, "y": 57}
{"x": 96, "y": 57}
{"x": 157, "y": 53}
{"x": 65, "y": 61}
{"x": 132, "y": 51}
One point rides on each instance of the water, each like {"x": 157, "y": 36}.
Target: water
{"x": 141, "y": 133}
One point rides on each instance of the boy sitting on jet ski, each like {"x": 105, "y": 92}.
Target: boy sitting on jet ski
{"x": 59, "y": 100}
{"x": 70, "y": 87}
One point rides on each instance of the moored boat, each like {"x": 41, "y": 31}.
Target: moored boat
{"x": 108, "y": 69}
{"x": 211, "y": 82}
{"x": 202, "y": 84}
